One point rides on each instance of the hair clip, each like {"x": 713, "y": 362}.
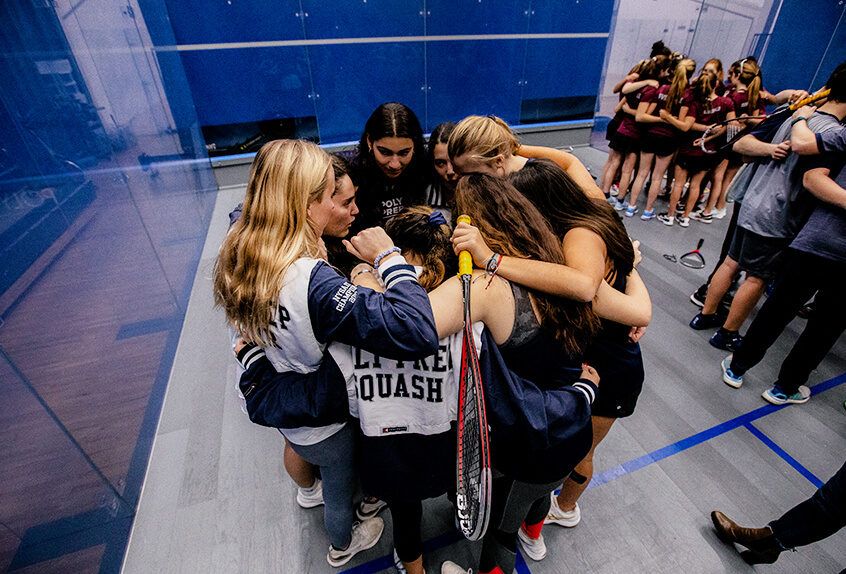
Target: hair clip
{"x": 436, "y": 219}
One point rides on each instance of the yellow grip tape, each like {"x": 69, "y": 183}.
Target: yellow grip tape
{"x": 465, "y": 260}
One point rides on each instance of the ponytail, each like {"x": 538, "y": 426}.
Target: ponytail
{"x": 750, "y": 76}
{"x": 684, "y": 68}
{"x": 703, "y": 86}
{"x": 424, "y": 232}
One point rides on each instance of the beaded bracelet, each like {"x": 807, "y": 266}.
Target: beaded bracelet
{"x": 384, "y": 254}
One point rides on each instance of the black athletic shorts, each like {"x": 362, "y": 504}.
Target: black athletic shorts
{"x": 407, "y": 466}
{"x": 759, "y": 256}
{"x": 624, "y": 144}
{"x": 661, "y": 146}
{"x": 696, "y": 163}
{"x": 620, "y": 366}
{"x": 612, "y": 128}
{"x": 735, "y": 159}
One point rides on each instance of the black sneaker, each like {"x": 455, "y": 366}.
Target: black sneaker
{"x": 701, "y": 321}
{"x": 726, "y": 340}
{"x": 698, "y": 296}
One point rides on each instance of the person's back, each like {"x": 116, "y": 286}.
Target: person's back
{"x": 774, "y": 204}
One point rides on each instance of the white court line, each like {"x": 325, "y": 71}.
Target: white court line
{"x": 378, "y": 40}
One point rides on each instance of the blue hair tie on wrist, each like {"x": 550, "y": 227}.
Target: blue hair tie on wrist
{"x": 436, "y": 218}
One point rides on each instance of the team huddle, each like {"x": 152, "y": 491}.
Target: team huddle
{"x": 339, "y": 280}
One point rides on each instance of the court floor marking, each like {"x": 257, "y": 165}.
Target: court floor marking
{"x": 744, "y": 420}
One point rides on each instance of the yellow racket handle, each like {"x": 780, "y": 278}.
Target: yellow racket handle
{"x": 810, "y": 100}
{"x": 465, "y": 260}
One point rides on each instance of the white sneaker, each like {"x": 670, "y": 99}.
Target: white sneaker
{"x": 453, "y": 568}
{"x": 535, "y": 548}
{"x": 615, "y": 190}
{"x": 557, "y": 516}
{"x": 666, "y": 219}
{"x": 364, "y": 535}
{"x": 307, "y": 500}
{"x": 367, "y": 509}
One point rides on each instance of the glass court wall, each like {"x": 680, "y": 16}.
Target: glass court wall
{"x": 105, "y": 199}
{"x": 108, "y": 115}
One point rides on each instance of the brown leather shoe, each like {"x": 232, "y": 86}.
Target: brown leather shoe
{"x": 762, "y": 544}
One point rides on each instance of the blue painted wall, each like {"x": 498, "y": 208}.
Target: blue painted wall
{"x": 335, "y": 86}
{"x": 806, "y": 44}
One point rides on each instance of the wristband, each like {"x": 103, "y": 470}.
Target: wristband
{"x": 384, "y": 254}
{"x": 797, "y": 120}
{"x": 493, "y": 263}
{"x": 492, "y": 267}
{"x": 359, "y": 272}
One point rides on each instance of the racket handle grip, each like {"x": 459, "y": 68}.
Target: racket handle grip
{"x": 465, "y": 260}
{"x": 810, "y": 99}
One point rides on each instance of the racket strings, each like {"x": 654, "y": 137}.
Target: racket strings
{"x": 694, "y": 260}
{"x": 470, "y": 453}
{"x": 732, "y": 131}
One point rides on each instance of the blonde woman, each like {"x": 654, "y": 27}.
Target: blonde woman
{"x": 485, "y": 144}
{"x": 277, "y": 290}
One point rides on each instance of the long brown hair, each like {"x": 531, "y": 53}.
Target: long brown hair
{"x": 272, "y": 233}
{"x": 417, "y": 230}
{"x": 513, "y": 226}
{"x": 566, "y": 206}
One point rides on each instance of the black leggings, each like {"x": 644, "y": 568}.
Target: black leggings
{"x": 406, "y": 516}
{"x": 513, "y": 503}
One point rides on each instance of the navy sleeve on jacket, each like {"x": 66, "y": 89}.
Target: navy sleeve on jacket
{"x": 526, "y": 414}
{"x": 397, "y": 324}
{"x": 292, "y": 400}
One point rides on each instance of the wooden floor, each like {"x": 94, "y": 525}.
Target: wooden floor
{"x": 216, "y": 497}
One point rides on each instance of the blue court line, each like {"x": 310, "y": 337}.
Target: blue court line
{"x": 783, "y": 454}
{"x": 387, "y": 561}
{"x": 521, "y": 567}
{"x": 744, "y": 420}
{"x": 700, "y": 437}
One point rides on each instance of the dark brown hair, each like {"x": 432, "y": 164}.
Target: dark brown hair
{"x": 415, "y": 230}
{"x": 513, "y": 226}
{"x": 566, "y": 206}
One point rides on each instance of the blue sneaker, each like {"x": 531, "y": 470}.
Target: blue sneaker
{"x": 726, "y": 340}
{"x": 631, "y": 210}
{"x": 647, "y": 215}
{"x": 702, "y": 321}
{"x": 778, "y": 397}
{"x": 621, "y": 205}
{"x": 730, "y": 378}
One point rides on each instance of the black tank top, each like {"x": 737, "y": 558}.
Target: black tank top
{"x": 531, "y": 351}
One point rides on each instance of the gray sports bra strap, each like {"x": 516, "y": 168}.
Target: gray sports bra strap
{"x": 526, "y": 324}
